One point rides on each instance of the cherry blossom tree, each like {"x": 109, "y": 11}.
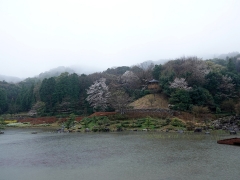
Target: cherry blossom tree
{"x": 98, "y": 95}
{"x": 180, "y": 83}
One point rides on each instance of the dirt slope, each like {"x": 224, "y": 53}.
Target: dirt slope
{"x": 151, "y": 102}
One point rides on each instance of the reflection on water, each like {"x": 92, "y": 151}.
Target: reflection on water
{"x": 113, "y": 156}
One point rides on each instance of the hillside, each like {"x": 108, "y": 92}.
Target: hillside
{"x": 10, "y": 79}
{"x": 55, "y": 72}
{"x": 149, "y": 102}
{"x": 190, "y": 85}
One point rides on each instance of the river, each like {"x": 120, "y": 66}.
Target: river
{"x": 115, "y": 156}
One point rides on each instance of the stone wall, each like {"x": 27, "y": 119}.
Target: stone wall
{"x": 151, "y": 112}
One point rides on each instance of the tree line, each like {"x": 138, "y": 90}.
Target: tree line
{"x": 189, "y": 83}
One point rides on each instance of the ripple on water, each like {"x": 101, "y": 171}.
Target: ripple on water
{"x": 115, "y": 156}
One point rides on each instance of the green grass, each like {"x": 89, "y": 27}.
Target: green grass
{"x": 18, "y": 125}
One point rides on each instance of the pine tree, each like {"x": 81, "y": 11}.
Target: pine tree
{"x": 3, "y": 101}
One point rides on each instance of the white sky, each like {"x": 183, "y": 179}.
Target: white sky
{"x": 37, "y": 35}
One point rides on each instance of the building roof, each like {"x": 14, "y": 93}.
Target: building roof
{"x": 153, "y": 81}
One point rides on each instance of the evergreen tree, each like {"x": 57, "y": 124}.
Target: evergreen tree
{"x": 3, "y": 101}
{"x": 201, "y": 97}
{"x": 47, "y": 93}
{"x": 70, "y": 121}
{"x": 62, "y": 87}
{"x": 231, "y": 65}
{"x": 181, "y": 100}
{"x": 74, "y": 87}
{"x": 156, "y": 71}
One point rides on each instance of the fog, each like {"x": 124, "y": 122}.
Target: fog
{"x": 36, "y": 36}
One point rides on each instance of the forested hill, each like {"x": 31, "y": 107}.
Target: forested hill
{"x": 51, "y": 73}
{"x": 55, "y": 72}
{"x": 188, "y": 83}
{"x": 10, "y": 79}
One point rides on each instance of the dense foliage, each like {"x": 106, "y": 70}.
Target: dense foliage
{"x": 189, "y": 84}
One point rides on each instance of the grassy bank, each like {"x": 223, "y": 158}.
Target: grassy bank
{"x": 111, "y": 121}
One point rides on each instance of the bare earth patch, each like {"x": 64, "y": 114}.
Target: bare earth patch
{"x": 150, "y": 101}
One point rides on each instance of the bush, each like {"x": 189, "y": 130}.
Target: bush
{"x": 100, "y": 122}
{"x": 119, "y": 128}
{"x": 95, "y": 129}
{"x": 70, "y": 121}
{"x": 138, "y": 125}
{"x": 148, "y": 121}
{"x": 199, "y": 111}
{"x": 177, "y": 123}
{"x": 228, "y": 106}
{"x": 218, "y": 110}
{"x": 190, "y": 126}
{"x": 167, "y": 122}
{"x": 2, "y": 123}
{"x": 140, "y": 121}
{"x": 125, "y": 125}
{"x": 120, "y": 117}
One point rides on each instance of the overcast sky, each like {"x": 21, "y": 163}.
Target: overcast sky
{"x": 36, "y": 36}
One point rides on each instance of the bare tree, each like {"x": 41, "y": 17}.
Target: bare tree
{"x": 37, "y": 109}
{"x": 144, "y": 71}
{"x": 130, "y": 80}
{"x": 192, "y": 68}
{"x": 227, "y": 86}
{"x": 151, "y": 99}
{"x": 120, "y": 100}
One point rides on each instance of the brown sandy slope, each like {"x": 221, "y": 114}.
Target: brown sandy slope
{"x": 160, "y": 101}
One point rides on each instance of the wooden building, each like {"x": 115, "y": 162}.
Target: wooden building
{"x": 153, "y": 84}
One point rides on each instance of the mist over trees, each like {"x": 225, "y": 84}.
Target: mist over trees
{"x": 189, "y": 83}
{"x": 10, "y": 79}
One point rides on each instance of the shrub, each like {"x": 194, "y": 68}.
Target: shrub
{"x": 120, "y": 117}
{"x": 125, "y": 125}
{"x": 237, "y": 108}
{"x": 177, "y": 123}
{"x": 199, "y": 111}
{"x": 119, "y": 127}
{"x": 95, "y": 129}
{"x": 148, "y": 121}
{"x": 141, "y": 121}
{"x": 218, "y": 110}
{"x": 2, "y": 123}
{"x": 228, "y": 106}
{"x": 167, "y": 122}
{"x": 190, "y": 126}
{"x": 70, "y": 121}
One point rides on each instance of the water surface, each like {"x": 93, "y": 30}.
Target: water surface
{"x": 113, "y": 156}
